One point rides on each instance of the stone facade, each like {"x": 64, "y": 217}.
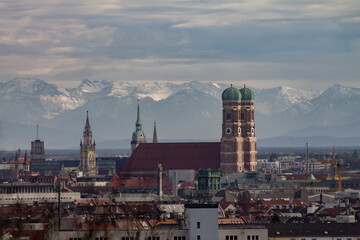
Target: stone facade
{"x": 88, "y": 152}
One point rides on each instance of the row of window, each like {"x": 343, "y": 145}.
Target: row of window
{"x": 179, "y": 238}
{"x": 253, "y": 237}
{"x": 231, "y": 238}
{"x": 45, "y": 198}
{"x": 242, "y": 116}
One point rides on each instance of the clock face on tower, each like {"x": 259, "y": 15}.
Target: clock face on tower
{"x": 228, "y": 130}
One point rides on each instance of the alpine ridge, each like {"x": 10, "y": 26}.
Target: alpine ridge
{"x": 190, "y": 110}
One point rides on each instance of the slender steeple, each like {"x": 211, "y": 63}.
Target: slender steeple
{"x": 138, "y": 136}
{"x": 87, "y": 124}
{"x": 155, "y": 134}
{"x": 138, "y": 121}
{"x": 87, "y": 151}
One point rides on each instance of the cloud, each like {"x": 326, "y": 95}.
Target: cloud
{"x": 177, "y": 40}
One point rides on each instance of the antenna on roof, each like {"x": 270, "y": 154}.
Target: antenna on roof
{"x": 37, "y": 132}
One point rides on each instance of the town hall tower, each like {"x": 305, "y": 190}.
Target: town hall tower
{"x": 87, "y": 152}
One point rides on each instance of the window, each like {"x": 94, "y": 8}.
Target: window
{"x": 242, "y": 116}
{"x": 198, "y": 224}
{"x": 180, "y": 238}
{"x": 198, "y": 237}
{"x": 231, "y": 238}
{"x": 248, "y": 237}
{"x": 228, "y": 116}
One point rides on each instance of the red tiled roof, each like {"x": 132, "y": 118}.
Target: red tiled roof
{"x": 193, "y": 155}
{"x": 225, "y": 205}
{"x": 187, "y": 184}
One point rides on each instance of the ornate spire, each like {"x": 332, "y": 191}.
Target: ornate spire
{"x": 87, "y": 125}
{"x": 155, "y": 134}
{"x": 138, "y": 121}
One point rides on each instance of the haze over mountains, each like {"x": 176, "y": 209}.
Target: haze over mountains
{"x": 284, "y": 116}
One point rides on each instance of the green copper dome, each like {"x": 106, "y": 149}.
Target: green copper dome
{"x": 231, "y": 94}
{"x": 247, "y": 93}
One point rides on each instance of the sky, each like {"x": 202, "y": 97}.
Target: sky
{"x": 309, "y": 44}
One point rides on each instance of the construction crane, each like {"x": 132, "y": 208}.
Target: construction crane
{"x": 338, "y": 165}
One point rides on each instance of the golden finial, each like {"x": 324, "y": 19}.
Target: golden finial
{"x": 138, "y": 100}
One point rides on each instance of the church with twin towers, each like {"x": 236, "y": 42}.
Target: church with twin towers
{"x": 236, "y": 152}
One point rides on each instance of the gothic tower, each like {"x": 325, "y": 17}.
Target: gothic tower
{"x": 231, "y": 153}
{"x": 138, "y": 136}
{"x": 248, "y": 128}
{"x": 155, "y": 134}
{"x": 87, "y": 152}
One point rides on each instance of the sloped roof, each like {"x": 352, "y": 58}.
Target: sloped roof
{"x": 193, "y": 155}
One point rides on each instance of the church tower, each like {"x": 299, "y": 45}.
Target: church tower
{"x": 248, "y": 128}
{"x": 87, "y": 152}
{"x": 231, "y": 153}
{"x": 155, "y": 140}
{"x": 138, "y": 136}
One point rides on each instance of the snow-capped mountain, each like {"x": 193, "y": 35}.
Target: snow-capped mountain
{"x": 274, "y": 100}
{"x": 190, "y": 110}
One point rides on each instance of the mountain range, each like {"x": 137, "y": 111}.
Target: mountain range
{"x": 190, "y": 110}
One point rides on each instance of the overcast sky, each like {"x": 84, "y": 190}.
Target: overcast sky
{"x": 307, "y": 43}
